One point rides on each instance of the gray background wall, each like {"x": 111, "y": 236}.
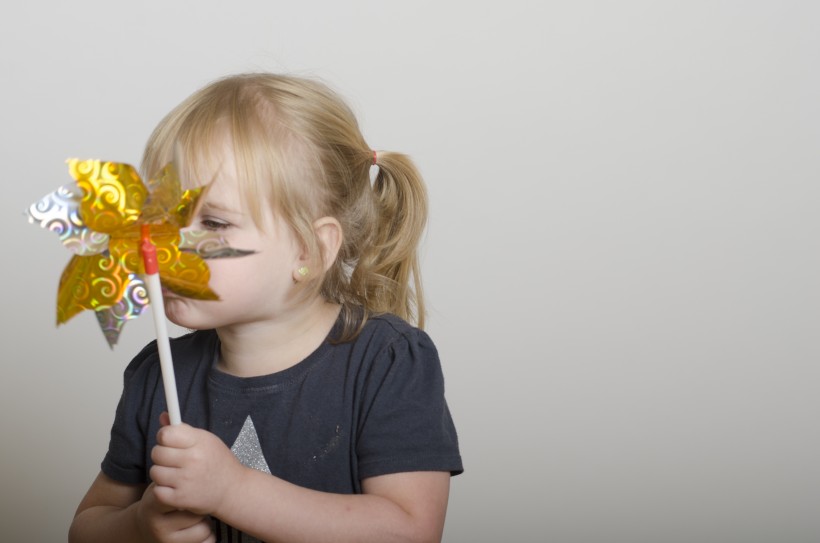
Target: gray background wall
{"x": 622, "y": 258}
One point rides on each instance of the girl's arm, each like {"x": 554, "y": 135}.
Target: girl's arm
{"x": 115, "y": 511}
{"x": 406, "y": 507}
{"x": 194, "y": 470}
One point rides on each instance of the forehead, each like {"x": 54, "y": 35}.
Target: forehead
{"x": 223, "y": 193}
{"x": 258, "y": 168}
{"x": 228, "y": 196}
{"x": 201, "y": 162}
{"x": 212, "y": 165}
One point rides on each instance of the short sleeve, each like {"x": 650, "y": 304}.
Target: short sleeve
{"x": 406, "y": 423}
{"x": 126, "y": 457}
{"x": 136, "y": 422}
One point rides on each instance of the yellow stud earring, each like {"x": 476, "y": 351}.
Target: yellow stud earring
{"x": 303, "y": 271}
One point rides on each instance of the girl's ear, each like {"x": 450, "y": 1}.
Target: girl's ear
{"x": 329, "y": 233}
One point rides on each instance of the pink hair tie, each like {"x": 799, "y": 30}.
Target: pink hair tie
{"x": 375, "y": 158}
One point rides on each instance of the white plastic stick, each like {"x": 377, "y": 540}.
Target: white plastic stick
{"x": 164, "y": 345}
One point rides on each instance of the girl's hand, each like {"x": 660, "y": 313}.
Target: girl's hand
{"x": 193, "y": 469}
{"x": 161, "y": 523}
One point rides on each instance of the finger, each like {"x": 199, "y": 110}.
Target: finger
{"x": 165, "y": 478}
{"x": 186, "y": 527}
{"x": 165, "y": 419}
{"x": 165, "y": 496}
{"x": 180, "y": 436}
{"x": 179, "y": 499}
{"x": 182, "y": 520}
{"x": 170, "y": 457}
{"x": 149, "y": 499}
{"x": 202, "y": 532}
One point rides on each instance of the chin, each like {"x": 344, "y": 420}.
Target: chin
{"x": 178, "y": 312}
{"x": 192, "y": 314}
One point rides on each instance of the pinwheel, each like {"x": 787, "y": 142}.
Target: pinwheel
{"x": 128, "y": 239}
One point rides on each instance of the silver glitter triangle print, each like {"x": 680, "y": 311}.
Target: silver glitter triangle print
{"x": 247, "y": 448}
{"x": 248, "y": 451}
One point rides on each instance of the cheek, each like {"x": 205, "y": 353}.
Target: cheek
{"x": 227, "y": 273}
{"x": 221, "y": 268}
{"x": 246, "y": 272}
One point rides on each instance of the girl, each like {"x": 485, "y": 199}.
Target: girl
{"x": 312, "y": 410}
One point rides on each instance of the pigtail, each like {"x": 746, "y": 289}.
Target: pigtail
{"x": 387, "y": 274}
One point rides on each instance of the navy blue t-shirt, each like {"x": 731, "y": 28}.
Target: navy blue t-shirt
{"x": 349, "y": 411}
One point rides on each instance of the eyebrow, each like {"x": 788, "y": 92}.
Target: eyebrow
{"x": 207, "y": 206}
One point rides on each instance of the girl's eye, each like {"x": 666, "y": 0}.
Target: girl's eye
{"x": 213, "y": 224}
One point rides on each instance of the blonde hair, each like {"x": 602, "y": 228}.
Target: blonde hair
{"x": 298, "y": 149}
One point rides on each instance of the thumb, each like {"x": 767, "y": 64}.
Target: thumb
{"x": 165, "y": 419}
{"x": 150, "y": 501}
